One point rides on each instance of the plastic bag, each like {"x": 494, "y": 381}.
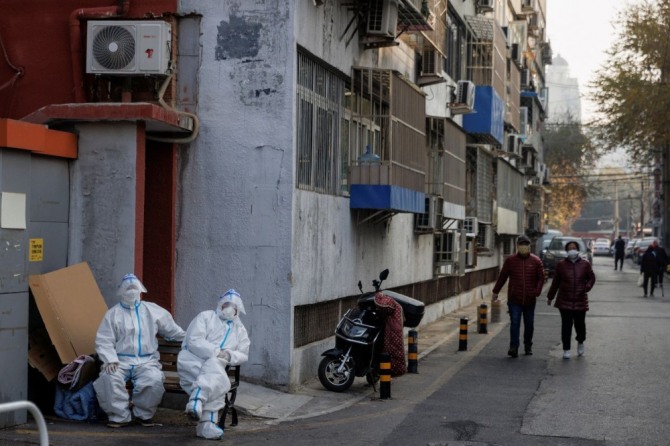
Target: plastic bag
{"x": 640, "y": 279}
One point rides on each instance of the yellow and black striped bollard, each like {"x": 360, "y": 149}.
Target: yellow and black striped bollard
{"x": 412, "y": 352}
{"x": 463, "y": 335}
{"x": 483, "y": 317}
{"x": 384, "y": 376}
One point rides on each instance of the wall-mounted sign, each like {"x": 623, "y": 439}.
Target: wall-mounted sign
{"x": 36, "y": 253}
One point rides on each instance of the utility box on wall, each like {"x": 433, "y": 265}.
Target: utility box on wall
{"x": 34, "y": 214}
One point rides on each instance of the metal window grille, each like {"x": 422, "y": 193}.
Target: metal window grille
{"x": 320, "y": 106}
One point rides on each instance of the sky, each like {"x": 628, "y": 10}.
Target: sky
{"x": 581, "y": 31}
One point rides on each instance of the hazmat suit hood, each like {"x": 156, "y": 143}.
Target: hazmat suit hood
{"x": 130, "y": 290}
{"x": 233, "y": 297}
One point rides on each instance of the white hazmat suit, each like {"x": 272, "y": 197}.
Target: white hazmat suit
{"x": 126, "y": 344}
{"x": 213, "y": 340}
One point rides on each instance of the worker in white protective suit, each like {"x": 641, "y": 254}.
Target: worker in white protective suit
{"x": 127, "y": 346}
{"x": 213, "y": 340}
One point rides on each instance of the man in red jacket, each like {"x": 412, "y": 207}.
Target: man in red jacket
{"x": 526, "y": 277}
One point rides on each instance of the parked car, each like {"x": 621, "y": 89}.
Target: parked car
{"x": 630, "y": 246}
{"x": 641, "y": 247}
{"x": 555, "y": 252}
{"x": 601, "y": 247}
{"x": 543, "y": 242}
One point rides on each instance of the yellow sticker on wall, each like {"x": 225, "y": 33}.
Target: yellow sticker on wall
{"x": 36, "y": 250}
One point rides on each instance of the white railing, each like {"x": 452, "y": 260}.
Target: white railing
{"x": 35, "y": 412}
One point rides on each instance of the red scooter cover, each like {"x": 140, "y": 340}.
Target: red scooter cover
{"x": 393, "y": 335}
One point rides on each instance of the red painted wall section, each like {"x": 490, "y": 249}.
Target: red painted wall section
{"x": 160, "y": 223}
{"x": 35, "y": 34}
{"x": 140, "y": 198}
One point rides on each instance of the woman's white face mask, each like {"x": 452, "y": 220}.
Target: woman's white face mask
{"x": 131, "y": 297}
{"x": 572, "y": 254}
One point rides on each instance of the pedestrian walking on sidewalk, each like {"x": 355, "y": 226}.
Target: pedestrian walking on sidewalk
{"x": 649, "y": 267}
{"x": 619, "y": 252}
{"x": 662, "y": 263}
{"x": 573, "y": 280}
{"x": 526, "y": 277}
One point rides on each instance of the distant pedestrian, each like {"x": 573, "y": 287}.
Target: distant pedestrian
{"x": 649, "y": 267}
{"x": 574, "y": 278}
{"x": 526, "y": 277}
{"x": 619, "y": 252}
{"x": 662, "y": 262}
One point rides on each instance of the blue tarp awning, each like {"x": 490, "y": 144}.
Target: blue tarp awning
{"x": 386, "y": 197}
{"x": 488, "y": 116}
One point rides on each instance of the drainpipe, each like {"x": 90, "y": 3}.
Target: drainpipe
{"x": 75, "y": 39}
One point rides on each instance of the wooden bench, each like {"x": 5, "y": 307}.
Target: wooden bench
{"x": 168, "y": 358}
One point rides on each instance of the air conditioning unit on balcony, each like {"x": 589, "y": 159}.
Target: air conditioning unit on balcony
{"x": 464, "y": 100}
{"x": 513, "y": 145}
{"x": 471, "y": 227}
{"x": 126, "y": 48}
{"x": 525, "y": 78}
{"x": 517, "y": 54}
{"x": 431, "y": 219}
{"x": 382, "y": 18}
{"x": 534, "y": 221}
{"x": 485, "y": 5}
{"x": 523, "y": 122}
{"x": 528, "y": 6}
{"x": 432, "y": 62}
{"x": 535, "y": 182}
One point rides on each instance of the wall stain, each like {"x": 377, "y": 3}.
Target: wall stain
{"x": 267, "y": 91}
{"x": 237, "y": 39}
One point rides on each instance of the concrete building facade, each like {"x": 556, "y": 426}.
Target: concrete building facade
{"x": 290, "y": 149}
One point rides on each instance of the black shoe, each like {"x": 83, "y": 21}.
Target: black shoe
{"x": 146, "y": 423}
{"x": 513, "y": 352}
{"x": 528, "y": 351}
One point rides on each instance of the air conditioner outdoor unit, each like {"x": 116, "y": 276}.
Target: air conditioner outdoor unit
{"x": 432, "y": 62}
{"x": 485, "y": 5}
{"x": 471, "y": 227}
{"x": 517, "y": 54}
{"x": 128, "y": 47}
{"x": 431, "y": 219}
{"x": 534, "y": 221}
{"x": 525, "y": 78}
{"x": 536, "y": 182}
{"x": 523, "y": 124}
{"x": 464, "y": 101}
{"x": 382, "y": 18}
{"x": 513, "y": 145}
{"x": 527, "y": 6}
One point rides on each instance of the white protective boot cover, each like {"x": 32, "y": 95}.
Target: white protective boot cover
{"x": 207, "y": 426}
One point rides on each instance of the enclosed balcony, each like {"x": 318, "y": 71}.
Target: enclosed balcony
{"x": 386, "y": 142}
{"x": 488, "y": 70}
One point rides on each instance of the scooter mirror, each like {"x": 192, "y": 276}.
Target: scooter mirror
{"x": 383, "y": 275}
{"x": 360, "y": 286}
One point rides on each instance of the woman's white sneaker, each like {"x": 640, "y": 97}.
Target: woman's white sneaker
{"x": 580, "y": 349}
{"x": 566, "y": 354}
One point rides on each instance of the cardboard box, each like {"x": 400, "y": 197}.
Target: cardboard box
{"x": 71, "y": 307}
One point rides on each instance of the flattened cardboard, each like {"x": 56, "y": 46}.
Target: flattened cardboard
{"x": 71, "y": 307}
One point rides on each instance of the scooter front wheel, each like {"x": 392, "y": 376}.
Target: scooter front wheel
{"x": 332, "y": 377}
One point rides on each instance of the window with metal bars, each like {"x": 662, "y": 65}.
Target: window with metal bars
{"x": 320, "y": 117}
